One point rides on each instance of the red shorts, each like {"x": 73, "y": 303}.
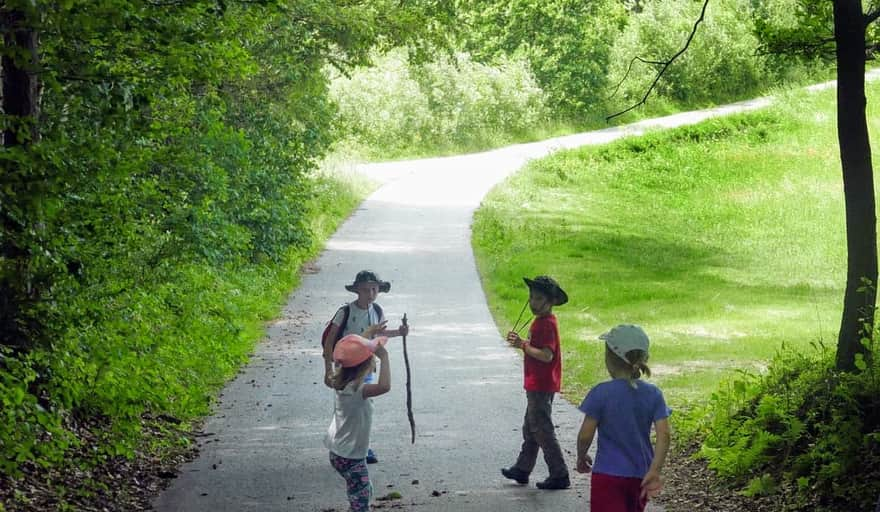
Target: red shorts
{"x": 616, "y": 494}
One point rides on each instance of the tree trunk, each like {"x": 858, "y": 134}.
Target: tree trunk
{"x": 21, "y": 87}
{"x": 20, "y": 103}
{"x": 858, "y": 183}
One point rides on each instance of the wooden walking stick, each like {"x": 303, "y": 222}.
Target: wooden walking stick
{"x": 409, "y": 413}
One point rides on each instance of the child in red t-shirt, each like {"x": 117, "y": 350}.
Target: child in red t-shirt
{"x": 542, "y": 379}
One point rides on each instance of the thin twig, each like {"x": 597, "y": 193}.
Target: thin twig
{"x": 526, "y": 324}
{"x": 523, "y": 310}
{"x": 821, "y": 47}
{"x": 628, "y": 70}
{"x": 666, "y": 65}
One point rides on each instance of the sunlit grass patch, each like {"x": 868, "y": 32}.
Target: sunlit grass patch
{"x": 724, "y": 240}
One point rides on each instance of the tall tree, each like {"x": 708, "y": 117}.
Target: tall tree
{"x": 20, "y": 106}
{"x": 850, "y": 24}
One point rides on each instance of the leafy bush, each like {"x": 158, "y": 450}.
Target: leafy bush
{"x": 720, "y": 65}
{"x": 163, "y": 214}
{"x": 25, "y": 424}
{"x": 567, "y": 44}
{"x": 398, "y": 109}
{"x": 801, "y": 429}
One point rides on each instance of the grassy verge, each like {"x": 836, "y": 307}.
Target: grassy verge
{"x": 725, "y": 240}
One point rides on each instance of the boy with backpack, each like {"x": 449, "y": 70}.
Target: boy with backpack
{"x": 362, "y": 316}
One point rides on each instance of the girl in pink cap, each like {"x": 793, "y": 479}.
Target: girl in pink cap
{"x": 348, "y": 437}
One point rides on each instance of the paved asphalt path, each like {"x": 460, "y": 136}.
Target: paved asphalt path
{"x": 262, "y": 450}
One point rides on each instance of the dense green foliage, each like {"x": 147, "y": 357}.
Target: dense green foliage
{"x": 801, "y": 28}
{"x": 173, "y": 193}
{"x": 163, "y": 213}
{"x": 719, "y": 66}
{"x": 451, "y": 103}
{"x": 802, "y": 429}
{"x": 567, "y": 44}
{"x": 725, "y": 241}
{"x": 529, "y": 69}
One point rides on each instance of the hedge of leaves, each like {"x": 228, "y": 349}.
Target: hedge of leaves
{"x": 163, "y": 211}
{"x": 802, "y": 430}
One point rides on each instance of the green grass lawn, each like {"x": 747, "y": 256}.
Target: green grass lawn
{"x": 724, "y": 240}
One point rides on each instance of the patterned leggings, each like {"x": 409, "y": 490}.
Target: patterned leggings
{"x": 357, "y": 481}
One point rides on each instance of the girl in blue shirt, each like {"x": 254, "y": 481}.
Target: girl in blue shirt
{"x": 627, "y": 469}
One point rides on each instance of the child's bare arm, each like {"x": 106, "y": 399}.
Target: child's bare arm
{"x": 384, "y": 384}
{"x": 584, "y": 440}
{"x": 540, "y": 353}
{"x": 652, "y": 484}
{"x": 664, "y": 437}
{"x": 328, "y": 353}
{"x": 402, "y": 330}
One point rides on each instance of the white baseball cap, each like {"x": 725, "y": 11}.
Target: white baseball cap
{"x": 625, "y": 337}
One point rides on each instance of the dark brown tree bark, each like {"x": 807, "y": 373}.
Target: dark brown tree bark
{"x": 20, "y": 103}
{"x": 21, "y": 85}
{"x": 858, "y": 183}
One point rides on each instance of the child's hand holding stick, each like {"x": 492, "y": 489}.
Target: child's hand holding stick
{"x": 514, "y": 339}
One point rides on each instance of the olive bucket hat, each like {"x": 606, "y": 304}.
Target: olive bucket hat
{"x": 549, "y": 287}
{"x": 368, "y": 276}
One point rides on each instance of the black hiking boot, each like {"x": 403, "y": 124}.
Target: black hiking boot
{"x": 561, "y": 482}
{"x": 515, "y": 473}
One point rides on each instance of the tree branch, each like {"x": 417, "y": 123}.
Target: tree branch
{"x": 823, "y": 47}
{"x": 628, "y": 69}
{"x": 665, "y": 64}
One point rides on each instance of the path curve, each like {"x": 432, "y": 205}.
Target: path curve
{"x": 262, "y": 449}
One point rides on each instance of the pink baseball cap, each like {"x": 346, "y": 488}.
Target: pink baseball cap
{"x": 354, "y": 349}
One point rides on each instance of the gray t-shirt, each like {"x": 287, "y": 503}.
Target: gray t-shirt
{"x": 349, "y": 432}
{"x": 358, "y": 319}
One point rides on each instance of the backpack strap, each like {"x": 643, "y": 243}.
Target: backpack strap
{"x": 379, "y": 312}
{"x": 346, "y": 310}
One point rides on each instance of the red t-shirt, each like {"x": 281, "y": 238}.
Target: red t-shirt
{"x": 538, "y": 375}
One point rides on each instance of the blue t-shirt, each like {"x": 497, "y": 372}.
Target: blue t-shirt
{"x": 624, "y": 415}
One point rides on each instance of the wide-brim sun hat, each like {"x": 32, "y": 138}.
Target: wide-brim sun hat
{"x": 354, "y": 349}
{"x": 368, "y": 276}
{"x": 625, "y": 337}
{"x": 549, "y": 287}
